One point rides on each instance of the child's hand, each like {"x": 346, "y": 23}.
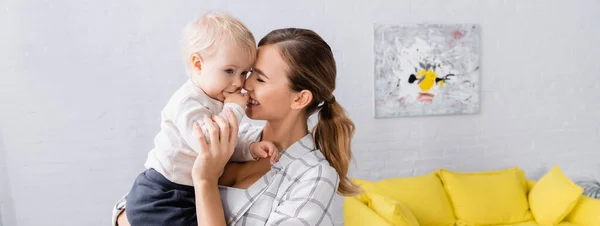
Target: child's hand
{"x": 237, "y": 98}
{"x": 264, "y": 149}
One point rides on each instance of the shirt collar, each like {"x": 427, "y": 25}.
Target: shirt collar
{"x": 295, "y": 151}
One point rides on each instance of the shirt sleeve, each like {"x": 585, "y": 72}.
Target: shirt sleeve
{"x": 309, "y": 200}
{"x": 247, "y": 134}
{"x": 191, "y": 111}
{"x": 118, "y": 209}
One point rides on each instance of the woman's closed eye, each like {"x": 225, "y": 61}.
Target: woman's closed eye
{"x": 252, "y": 72}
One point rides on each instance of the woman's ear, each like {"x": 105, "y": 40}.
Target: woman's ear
{"x": 197, "y": 61}
{"x": 301, "y": 99}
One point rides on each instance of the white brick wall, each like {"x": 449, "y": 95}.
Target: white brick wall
{"x": 82, "y": 84}
{"x": 5, "y": 198}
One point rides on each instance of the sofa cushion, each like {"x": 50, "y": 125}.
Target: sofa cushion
{"x": 533, "y": 223}
{"x": 564, "y": 223}
{"x": 586, "y": 212}
{"x": 423, "y": 195}
{"x": 391, "y": 210}
{"x": 488, "y": 198}
{"x": 357, "y": 213}
{"x": 553, "y": 197}
{"x": 528, "y": 223}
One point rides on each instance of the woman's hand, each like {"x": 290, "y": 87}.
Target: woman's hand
{"x": 212, "y": 157}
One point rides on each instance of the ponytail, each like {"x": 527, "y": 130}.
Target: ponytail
{"x": 333, "y": 136}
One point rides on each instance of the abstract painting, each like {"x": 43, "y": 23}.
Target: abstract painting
{"x": 426, "y": 69}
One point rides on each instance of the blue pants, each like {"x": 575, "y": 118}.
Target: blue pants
{"x": 154, "y": 200}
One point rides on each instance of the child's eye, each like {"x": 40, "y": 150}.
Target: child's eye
{"x": 229, "y": 71}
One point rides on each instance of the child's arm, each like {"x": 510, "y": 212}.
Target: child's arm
{"x": 189, "y": 112}
{"x": 236, "y": 102}
{"x": 247, "y": 134}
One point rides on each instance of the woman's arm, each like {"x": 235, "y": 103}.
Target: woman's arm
{"x": 209, "y": 209}
{"x": 209, "y": 163}
{"x": 230, "y": 174}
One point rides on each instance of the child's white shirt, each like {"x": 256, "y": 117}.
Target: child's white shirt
{"x": 176, "y": 145}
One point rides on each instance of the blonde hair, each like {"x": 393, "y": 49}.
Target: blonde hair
{"x": 201, "y": 36}
{"x": 311, "y": 66}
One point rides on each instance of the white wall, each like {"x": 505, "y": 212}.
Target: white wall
{"x": 82, "y": 84}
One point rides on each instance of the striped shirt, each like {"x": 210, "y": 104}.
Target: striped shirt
{"x": 298, "y": 190}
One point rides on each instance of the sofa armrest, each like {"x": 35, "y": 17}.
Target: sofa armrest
{"x": 586, "y": 212}
{"x": 357, "y": 213}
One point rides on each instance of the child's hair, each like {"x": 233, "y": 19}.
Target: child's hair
{"x": 201, "y": 36}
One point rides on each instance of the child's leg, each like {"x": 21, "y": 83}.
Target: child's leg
{"x": 154, "y": 200}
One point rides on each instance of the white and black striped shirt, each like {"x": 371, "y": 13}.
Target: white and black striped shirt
{"x": 298, "y": 190}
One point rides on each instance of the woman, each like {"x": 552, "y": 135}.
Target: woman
{"x": 292, "y": 78}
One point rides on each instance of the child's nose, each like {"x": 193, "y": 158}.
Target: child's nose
{"x": 238, "y": 82}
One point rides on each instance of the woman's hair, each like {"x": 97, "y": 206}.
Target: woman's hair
{"x": 312, "y": 67}
{"x": 201, "y": 36}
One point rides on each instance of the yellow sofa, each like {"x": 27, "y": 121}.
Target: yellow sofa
{"x": 445, "y": 198}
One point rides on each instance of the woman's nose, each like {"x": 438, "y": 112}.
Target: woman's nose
{"x": 248, "y": 84}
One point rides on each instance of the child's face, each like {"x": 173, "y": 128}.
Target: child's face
{"x": 223, "y": 72}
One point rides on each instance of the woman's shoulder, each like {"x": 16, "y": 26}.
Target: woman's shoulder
{"x": 304, "y": 160}
{"x": 312, "y": 165}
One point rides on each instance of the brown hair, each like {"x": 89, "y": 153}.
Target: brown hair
{"x": 312, "y": 67}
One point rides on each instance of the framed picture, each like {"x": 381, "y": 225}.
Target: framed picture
{"x": 426, "y": 69}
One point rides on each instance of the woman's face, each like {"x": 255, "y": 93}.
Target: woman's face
{"x": 268, "y": 86}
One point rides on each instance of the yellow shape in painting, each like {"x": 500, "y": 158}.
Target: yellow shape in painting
{"x": 428, "y": 81}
